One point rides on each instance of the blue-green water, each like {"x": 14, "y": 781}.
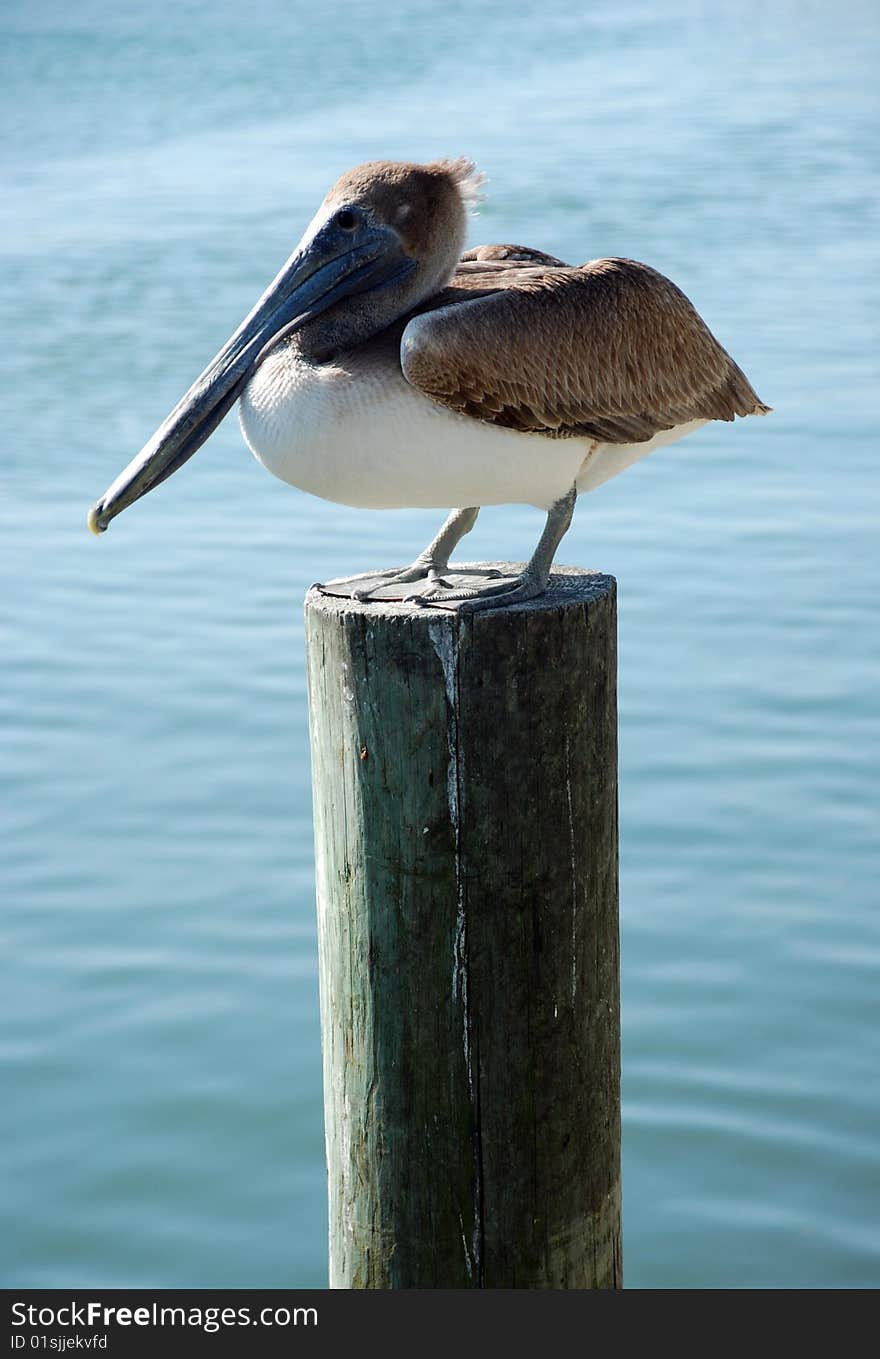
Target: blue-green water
{"x": 161, "y": 1118}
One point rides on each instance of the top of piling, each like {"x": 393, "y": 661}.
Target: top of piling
{"x": 569, "y": 586}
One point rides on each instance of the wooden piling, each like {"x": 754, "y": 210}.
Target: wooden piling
{"x": 465, "y": 795}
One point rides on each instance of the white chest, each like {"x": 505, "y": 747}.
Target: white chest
{"x": 358, "y": 434}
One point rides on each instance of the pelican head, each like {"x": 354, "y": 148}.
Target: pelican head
{"x": 387, "y": 236}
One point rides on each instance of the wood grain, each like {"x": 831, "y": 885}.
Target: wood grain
{"x": 465, "y": 794}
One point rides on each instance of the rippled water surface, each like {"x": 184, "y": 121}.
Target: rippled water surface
{"x": 161, "y": 1120}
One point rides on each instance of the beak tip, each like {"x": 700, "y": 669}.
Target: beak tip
{"x": 94, "y": 522}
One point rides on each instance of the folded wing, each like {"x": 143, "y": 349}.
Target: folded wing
{"x": 611, "y": 350}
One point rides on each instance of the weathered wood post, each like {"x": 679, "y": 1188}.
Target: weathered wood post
{"x": 465, "y": 791}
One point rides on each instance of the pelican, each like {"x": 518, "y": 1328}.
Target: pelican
{"x": 382, "y": 368}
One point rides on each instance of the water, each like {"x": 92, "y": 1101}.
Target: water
{"x": 162, "y": 1115}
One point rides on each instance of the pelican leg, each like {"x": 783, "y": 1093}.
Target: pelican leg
{"x": 430, "y": 564}
{"x": 533, "y": 580}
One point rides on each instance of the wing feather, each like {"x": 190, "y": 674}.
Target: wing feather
{"x": 611, "y": 350}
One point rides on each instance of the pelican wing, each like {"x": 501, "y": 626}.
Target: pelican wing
{"x": 611, "y": 350}
{"x": 508, "y": 254}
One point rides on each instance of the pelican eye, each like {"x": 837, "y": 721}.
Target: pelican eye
{"x": 346, "y": 218}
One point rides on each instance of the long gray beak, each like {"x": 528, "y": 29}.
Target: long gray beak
{"x": 329, "y": 264}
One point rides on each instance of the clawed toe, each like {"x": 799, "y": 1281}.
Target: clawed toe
{"x": 420, "y": 570}
{"x": 435, "y": 588}
{"x": 526, "y": 589}
{"x": 488, "y": 597}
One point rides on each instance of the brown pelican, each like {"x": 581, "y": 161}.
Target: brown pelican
{"x": 382, "y": 368}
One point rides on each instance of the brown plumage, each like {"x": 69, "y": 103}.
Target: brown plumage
{"x": 482, "y": 253}
{"x": 611, "y": 350}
